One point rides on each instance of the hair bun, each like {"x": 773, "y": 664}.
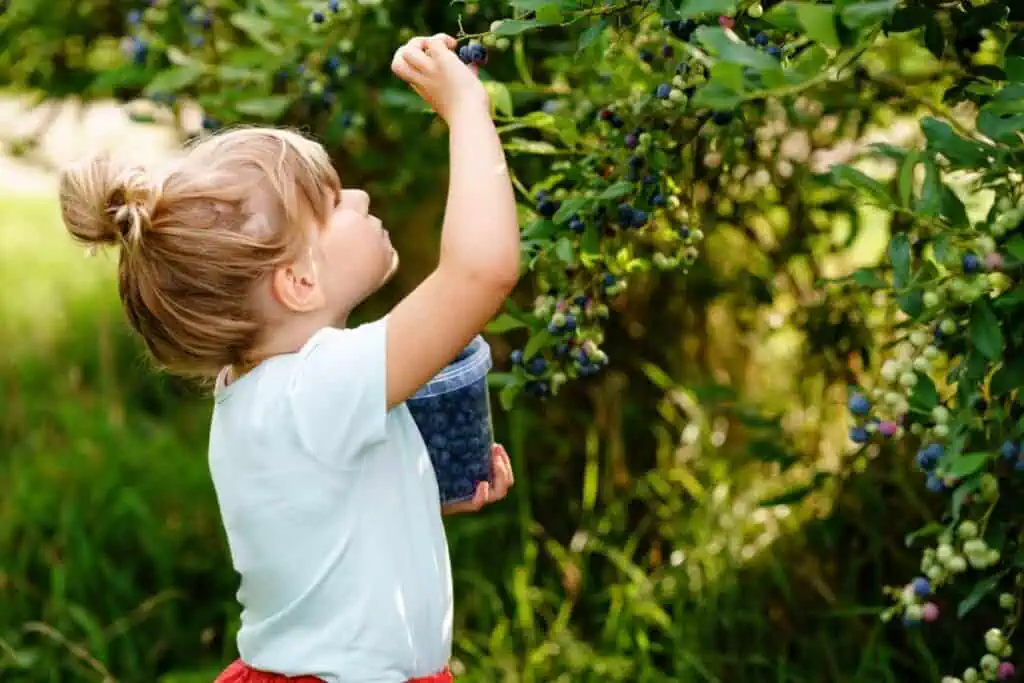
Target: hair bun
{"x": 103, "y": 202}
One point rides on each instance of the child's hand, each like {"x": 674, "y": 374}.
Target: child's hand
{"x": 431, "y": 67}
{"x": 487, "y": 493}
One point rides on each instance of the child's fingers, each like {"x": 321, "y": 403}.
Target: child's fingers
{"x": 419, "y": 60}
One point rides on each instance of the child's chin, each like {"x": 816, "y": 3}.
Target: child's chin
{"x": 392, "y": 269}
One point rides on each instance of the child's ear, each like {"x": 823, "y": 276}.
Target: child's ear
{"x": 297, "y": 286}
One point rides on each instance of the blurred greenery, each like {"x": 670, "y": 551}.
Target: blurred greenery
{"x": 690, "y": 514}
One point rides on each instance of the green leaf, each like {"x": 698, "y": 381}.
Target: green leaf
{"x": 513, "y": 27}
{"x": 906, "y": 178}
{"x": 592, "y": 33}
{"x": 530, "y": 146}
{"x": 259, "y": 30}
{"x": 564, "y": 251}
{"x": 695, "y": 8}
{"x": 505, "y": 323}
{"x": 912, "y": 302}
{"x": 819, "y": 23}
{"x": 984, "y": 331}
{"x": 930, "y": 202}
{"x": 924, "y": 397}
{"x": 784, "y": 16}
{"x": 953, "y": 208}
{"x": 537, "y": 342}
{"x": 717, "y": 96}
{"x": 944, "y": 140}
{"x": 869, "y": 278}
{"x": 850, "y": 177}
{"x": 173, "y": 79}
{"x": 980, "y": 590}
{"x": 930, "y": 529}
{"x": 1015, "y": 68}
{"x": 1008, "y": 378}
{"x": 1015, "y": 248}
{"x": 549, "y": 13}
{"x": 501, "y": 99}
{"x": 1000, "y": 127}
{"x": 271, "y": 107}
{"x": 568, "y": 208}
{"x": 899, "y": 256}
{"x": 591, "y": 243}
{"x": 507, "y": 397}
{"x": 967, "y": 464}
{"x": 863, "y": 14}
{"x": 723, "y": 46}
{"x": 620, "y": 189}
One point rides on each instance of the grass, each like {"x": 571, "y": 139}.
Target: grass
{"x": 115, "y": 569}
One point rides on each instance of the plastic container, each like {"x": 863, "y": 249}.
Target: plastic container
{"x": 453, "y": 413}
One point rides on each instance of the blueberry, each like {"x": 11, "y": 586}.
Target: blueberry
{"x": 318, "y": 17}
{"x": 658, "y": 200}
{"x": 609, "y": 280}
{"x": 617, "y": 122}
{"x": 667, "y": 51}
{"x": 761, "y": 39}
{"x": 646, "y": 56}
{"x": 134, "y": 17}
{"x": 636, "y": 162}
{"x": 682, "y": 68}
{"x": 332, "y": 5}
{"x": 650, "y": 179}
{"x": 547, "y": 208}
{"x": 537, "y": 388}
{"x": 934, "y": 484}
{"x": 922, "y": 588}
{"x": 859, "y": 435}
{"x": 577, "y": 226}
{"x": 1009, "y": 450}
{"x": 631, "y": 141}
{"x": 464, "y": 54}
{"x": 570, "y": 323}
{"x": 859, "y": 405}
{"x": 638, "y": 219}
{"x": 972, "y": 263}
{"x": 477, "y": 53}
{"x": 562, "y": 350}
{"x": 722, "y": 118}
{"x": 625, "y": 214}
{"x": 537, "y": 365}
{"x": 663, "y": 91}
{"x": 775, "y": 51}
{"x": 924, "y": 463}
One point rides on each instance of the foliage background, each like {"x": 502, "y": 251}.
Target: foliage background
{"x": 635, "y": 546}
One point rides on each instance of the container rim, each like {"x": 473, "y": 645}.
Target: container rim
{"x": 457, "y": 375}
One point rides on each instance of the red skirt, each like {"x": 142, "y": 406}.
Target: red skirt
{"x": 240, "y": 672}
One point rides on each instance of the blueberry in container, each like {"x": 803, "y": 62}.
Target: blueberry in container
{"x": 453, "y": 413}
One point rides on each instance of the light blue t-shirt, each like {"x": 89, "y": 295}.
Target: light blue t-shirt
{"x": 333, "y": 516}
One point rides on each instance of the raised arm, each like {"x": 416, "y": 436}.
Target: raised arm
{"x": 479, "y": 260}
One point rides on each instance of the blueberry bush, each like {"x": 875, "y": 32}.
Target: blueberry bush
{"x": 673, "y": 157}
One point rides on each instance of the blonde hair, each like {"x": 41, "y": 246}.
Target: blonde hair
{"x": 195, "y": 241}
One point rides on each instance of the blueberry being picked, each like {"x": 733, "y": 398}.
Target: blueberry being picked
{"x": 473, "y": 53}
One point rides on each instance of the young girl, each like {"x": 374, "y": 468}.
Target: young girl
{"x": 242, "y": 262}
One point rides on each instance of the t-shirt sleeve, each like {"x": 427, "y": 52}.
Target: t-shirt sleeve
{"x": 339, "y": 394}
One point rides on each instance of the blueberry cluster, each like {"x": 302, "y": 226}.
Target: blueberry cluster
{"x": 473, "y": 53}
{"x": 456, "y": 428}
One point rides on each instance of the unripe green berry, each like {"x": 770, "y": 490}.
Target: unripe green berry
{"x": 947, "y": 326}
{"x": 930, "y": 299}
{"x": 967, "y": 530}
{"x": 971, "y": 675}
{"x": 1007, "y": 601}
{"x": 908, "y": 379}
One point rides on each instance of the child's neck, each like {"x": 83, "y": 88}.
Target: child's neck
{"x": 286, "y": 338}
